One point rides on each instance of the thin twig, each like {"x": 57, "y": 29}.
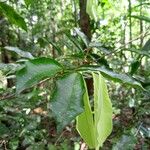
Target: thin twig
{"x": 7, "y": 97}
{"x": 59, "y": 137}
{"x": 120, "y": 48}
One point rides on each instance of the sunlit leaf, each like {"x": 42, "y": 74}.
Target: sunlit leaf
{"x": 67, "y": 100}
{"x": 85, "y": 123}
{"x": 102, "y": 109}
{"x": 12, "y": 15}
{"x": 34, "y": 71}
{"x": 94, "y": 127}
{"x": 92, "y": 9}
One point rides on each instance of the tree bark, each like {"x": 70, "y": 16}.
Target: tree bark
{"x": 84, "y": 19}
{"x": 86, "y": 29}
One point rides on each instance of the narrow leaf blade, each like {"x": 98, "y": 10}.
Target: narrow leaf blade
{"x": 144, "y": 18}
{"x": 82, "y": 36}
{"x": 19, "y": 52}
{"x": 116, "y": 77}
{"x": 13, "y": 16}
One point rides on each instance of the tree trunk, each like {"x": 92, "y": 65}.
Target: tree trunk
{"x": 84, "y": 19}
{"x": 141, "y": 26}
{"x": 85, "y": 28}
{"x": 130, "y": 22}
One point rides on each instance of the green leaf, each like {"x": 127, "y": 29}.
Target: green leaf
{"x": 12, "y": 15}
{"x": 19, "y": 52}
{"x": 146, "y": 47}
{"x": 144, "y": 18}
{"x": 13, "y": 143}
{"x": 100, "y": 60}
{"x": 85, "y": 123}
{"x": 57, "y": 48}
{"x": 74, "y": 41}
{"x": 94, "y": 127}
{"x": 125, "y": 143}
{"x": 134, "y": 66}
{"x": 102, "y": 109}
{"x": 116, "y": 77}
{"x": 82, "y": 36}
{"x": 100, "y": 47}
{"x": 34, "y": 71}
{"x": 67, "y": 100}
{"x": 92, "y": 9}
{"x": 28, "y": 2}
{"x": 3, "y": 130}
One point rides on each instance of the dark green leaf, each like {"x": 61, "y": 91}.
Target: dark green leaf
{"x": 134, "y": 67}
{"x": 20, "y": 52}
{"x": 28, "y": 2}
{"x": 109, "y": 74}
{"x": 3, "y": 129}
{"x": 36, "y": 70}
{"x": 67, "y": 100}
{"x": 100, "y": 60}
{"x": 144, "y": 18}
{"x": 12, "y": 15}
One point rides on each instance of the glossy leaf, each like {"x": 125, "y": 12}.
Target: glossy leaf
{"x": 116, "y": 77}
{"x": 94, "y": 127}
{"x": 12, "y": 15}
{"x": 67, "y": 100}
{"x": 34, "y": 71}
{"x": 20, "y": 52}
